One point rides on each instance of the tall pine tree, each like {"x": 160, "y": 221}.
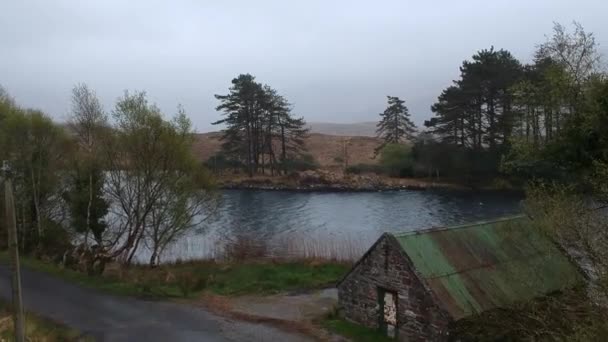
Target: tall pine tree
{"x": 258, "y": 122}
{"x": 395, "y": 125}
{"x": 476, "y": 114}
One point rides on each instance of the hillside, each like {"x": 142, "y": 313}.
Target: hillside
{"x": 328, "y": 150}
{"x": 364, "y": 129}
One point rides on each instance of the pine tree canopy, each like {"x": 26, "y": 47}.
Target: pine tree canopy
{"x": 261, "y": 131}
{"x": 395, "y": 124}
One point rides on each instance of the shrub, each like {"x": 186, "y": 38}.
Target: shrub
{"x": 187, "y": 283}
{"x": 562, "y": 316}
{"x": 220, "y": 162}
{"x": 358, "y": 169}
{"x": 396, "y": 159}
{"x": 302, "y": 163}
{"x": 55, "y": 242}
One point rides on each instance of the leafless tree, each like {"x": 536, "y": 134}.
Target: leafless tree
{"x": 87, "y": 123}
{"x": 152, "y": 178}
{"x": 576, "y": 52}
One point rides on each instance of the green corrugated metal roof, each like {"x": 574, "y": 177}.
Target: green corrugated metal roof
{"x": 489, "y": 264}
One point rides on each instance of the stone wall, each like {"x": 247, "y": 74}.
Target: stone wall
{"x": 387, "y": 266}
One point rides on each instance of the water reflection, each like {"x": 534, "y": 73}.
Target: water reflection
{"x": 339, "y": 225}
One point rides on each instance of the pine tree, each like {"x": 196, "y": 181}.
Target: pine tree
{"x": 242, "y": 108}
{"x": 395, "y": 125}
{"x": 476, "y": 114}
{"x": 258, "y": 120}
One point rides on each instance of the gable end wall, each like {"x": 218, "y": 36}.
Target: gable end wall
{"x": 419, "y": 317}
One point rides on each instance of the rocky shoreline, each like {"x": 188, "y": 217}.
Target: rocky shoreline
{"x": 325, "y": 181}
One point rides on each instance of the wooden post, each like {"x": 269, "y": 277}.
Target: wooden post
{"x": 13, "y": 252}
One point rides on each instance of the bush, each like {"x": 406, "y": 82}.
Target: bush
{"x": 302, "y": 163}
{"x": 55, "y": 241}
{"x": 188, "y": 283}
{"x": 365, "y": 168}
{"x": 396, "y": 160}
{"x": 220, "y": 162}
{"x": 562, "y": 316}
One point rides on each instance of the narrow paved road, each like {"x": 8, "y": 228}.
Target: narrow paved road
{"x": 111, "y": 318}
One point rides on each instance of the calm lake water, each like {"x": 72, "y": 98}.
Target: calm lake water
{"x": 339, "y": 225}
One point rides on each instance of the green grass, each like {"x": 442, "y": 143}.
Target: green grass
{"x": 187, "y": 280}
{"x": 37, "y": 329}
{"x": 266, "y": 278}
{"x": 354, "y": 332}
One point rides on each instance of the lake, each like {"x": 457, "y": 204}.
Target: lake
{"x": 335, "y": 225}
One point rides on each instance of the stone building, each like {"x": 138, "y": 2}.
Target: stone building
{"x": 413, "y": 285}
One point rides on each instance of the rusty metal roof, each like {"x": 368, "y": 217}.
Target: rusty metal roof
{"x": 486, "y": 265}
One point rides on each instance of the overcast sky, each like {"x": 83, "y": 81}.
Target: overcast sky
{"x": 334, "y": 60}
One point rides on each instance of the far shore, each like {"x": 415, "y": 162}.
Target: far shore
{"x": 325, "y": 181}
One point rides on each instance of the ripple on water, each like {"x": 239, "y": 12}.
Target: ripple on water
{"x": 332, "y": 224}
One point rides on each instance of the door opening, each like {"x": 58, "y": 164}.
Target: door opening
{"x": 388, "y": 312}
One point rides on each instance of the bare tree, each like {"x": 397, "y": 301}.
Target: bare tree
{"x": 87, "y": 122}
{"x": 576, "y": 52}
{"x": 183, "y": 206}
{"x": 149, "y": 159}
{"x": 185, "y": 201}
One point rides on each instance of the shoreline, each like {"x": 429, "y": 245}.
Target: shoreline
{"x": 315, "y": 182}
{"x": 335, "y": 188}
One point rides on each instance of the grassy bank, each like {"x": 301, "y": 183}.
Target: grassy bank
{"x": 37, "y": 329}
{"x": 188, "y": 279}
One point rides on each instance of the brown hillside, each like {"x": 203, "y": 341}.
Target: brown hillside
{"x": 363, "y": 129}
{"x": 328, "y": 150}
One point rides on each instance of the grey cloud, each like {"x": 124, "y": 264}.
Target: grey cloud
{"x": 335, "y": 60}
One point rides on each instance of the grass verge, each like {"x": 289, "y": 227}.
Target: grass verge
{"x": 37, "y": 329}
{"x": 188, "y": 279}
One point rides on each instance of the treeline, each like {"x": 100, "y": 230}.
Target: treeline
{"x": 102, "y": 186}
{"x": 261, "y": 134}
{"x": 546, "y": 119}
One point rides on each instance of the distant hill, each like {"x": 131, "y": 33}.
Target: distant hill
{"x": 328, "y": 150}
{"x": 363, "y": 129}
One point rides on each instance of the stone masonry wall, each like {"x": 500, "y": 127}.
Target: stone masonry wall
{"x": 385, "y": 266}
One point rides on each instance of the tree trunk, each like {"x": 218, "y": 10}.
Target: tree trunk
{"x": 86, "y": 235}
{"x": 153, "y": 256}
{"x": 283, "y": 149}
{"x": 492, "y": 123}
{"x": 23, "y": 230}
{"x": 248, "y": 132}
{"x": 528, "y": 124}
{"x": 135, "y": 246}
{"x": 36, "y": 204}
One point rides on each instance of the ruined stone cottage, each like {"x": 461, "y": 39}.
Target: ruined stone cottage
{"x": 413, "y": 285}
